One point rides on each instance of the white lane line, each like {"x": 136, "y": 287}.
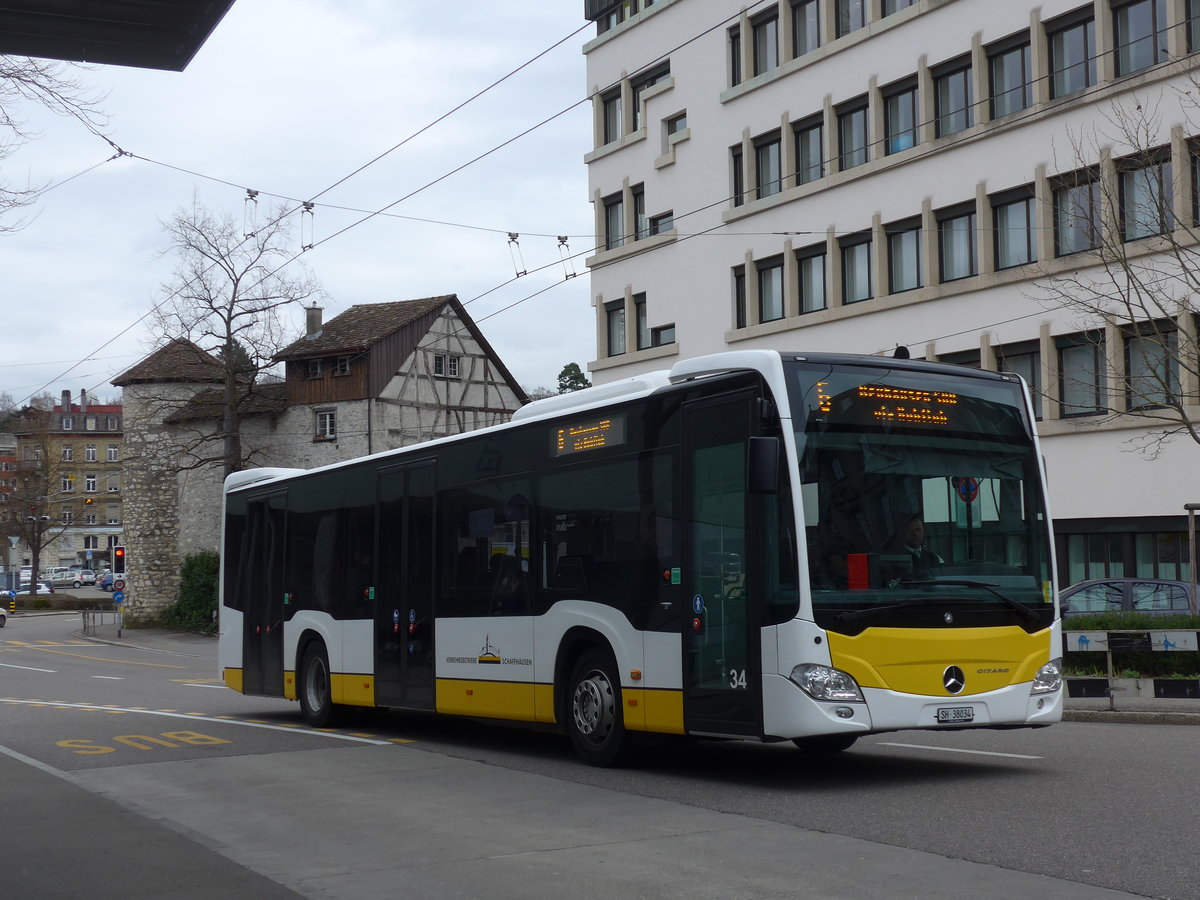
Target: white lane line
{"x": 29, "y": 668}
{"x": 219, "y": 687}
{"x": 109, "y": 677}
{"x": 194, "y": 718}
{"x": 958, "y": 750}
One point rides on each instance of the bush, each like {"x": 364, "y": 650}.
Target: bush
{"x": 196, "y": 608}
{"x": 1132, "y": 663}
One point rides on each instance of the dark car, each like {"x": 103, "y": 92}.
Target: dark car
{"x": 105, "y": 583}
{"x": 1144, "y": 595}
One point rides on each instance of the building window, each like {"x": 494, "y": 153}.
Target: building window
{"x": 954, "y": 99}
{"x": 326, "y": 425}
{"x": 614, "y": 222}
{"x": 68, "y": 482}
{"x": 68, "y": 453}
{"x": 1076, "y": 214}
{"x": 611, "y": 108}
{"x": 641, "y": 229}
{"x": 445, "y": 366}
{"x": 643, "y": 323}
{"x": 1140, "y": 35}
{"x": 806, "y": 26}
{"x": 89, "y": 483}
{"x": 113, "y": 513}
{"x": 1193, "y": 25}
{"x": 770, "y": 289}
{"x": 312, "y": 368}
{"x": 114, "y": 483}
{"x": 765, "y": 31}
{"x": 735, "y": 56}
{"x": 1146, "y": 197}
{"x": 89, "y": 453}
{"x": 640, "y": 83}
{"x": 1024, "y": 360}
{"x": 894, "y": 6}
{"x": 767, "y": 166}
{"x": 853, "y": 136}
{"x": 91, "y": 542}
{"x": 739, "y": 175}
{"x": 900, "y": 118}
{"x": 113, "y": 452}
{"x": 956, "y": 237}
{"x": 113, "y": 423}
{"x": 856, "y": 268}
{"x": 1082, "y": 382}
{"x": 1011, "y": 80}
{"x": 1151, "y": 366}
{"x": 66, "y": 516}
{"x": 739, "y": 297}
{"x": 810, "y": 148}
{"x": 89, "y": 519}
{"x": 341, "y": 366}
{"x": 1015, "y": 228}
{"x": 662, "y": 223}
{"x": 90, "y": 423}
{"x": 67, "y": 423}
{"x": 851, "y": 16}
{"x": 904, "y": 256}
{"x": 614, "y": 316}
{"x": 662, "y": 335}
{"x": 810, "y": 266}
{"x": 676, "y": 124}
{"x": 1072, "y": 57}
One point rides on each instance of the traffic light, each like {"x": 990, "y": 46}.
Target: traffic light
{"x": 118, "y": 560}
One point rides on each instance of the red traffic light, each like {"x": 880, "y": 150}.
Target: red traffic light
{"x": 118, "y": 560}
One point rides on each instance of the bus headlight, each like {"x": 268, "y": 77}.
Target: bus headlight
{"x": 824, "y": 683}
{"x": 1048, "y": 679}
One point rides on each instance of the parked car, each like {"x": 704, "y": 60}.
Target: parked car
{"x": 1145, "y": 595}
{"x": 59, "y": 575}
{"x": 82, "y": 577}
{"x": 106, "y": 582}
{"x": 42, "y": 588}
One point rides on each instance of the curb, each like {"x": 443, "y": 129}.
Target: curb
{"x": 1131, "y": 717}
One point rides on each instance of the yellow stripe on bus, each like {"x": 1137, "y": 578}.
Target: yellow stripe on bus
{"x": 913, "y": 660}
{"x": 352, "y": 690}
{"x": 233, "y": 679}
{"x": 289, "y": 685}
{"x": 488, "y": 699}
{"x": 651, "y": 710}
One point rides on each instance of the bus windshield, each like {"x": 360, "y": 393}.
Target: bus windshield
{"x": 922, "y": 498}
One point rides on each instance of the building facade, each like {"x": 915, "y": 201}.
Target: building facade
{"x": 1006, "y": 185}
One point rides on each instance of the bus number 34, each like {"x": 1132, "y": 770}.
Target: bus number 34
{"x": 737, "y": 679}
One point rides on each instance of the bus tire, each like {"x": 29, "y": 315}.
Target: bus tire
{"x": 316, "y": 695}
{"x": 594, "y": 713}
{"x": 826, "y": 743}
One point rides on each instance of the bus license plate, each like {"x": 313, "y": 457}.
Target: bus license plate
{"x": 955, "y": 714}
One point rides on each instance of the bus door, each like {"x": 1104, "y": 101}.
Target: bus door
{"x": 404, "y": 587}
{"x": 722, "y": 694}
{"x": 262, "y": 643}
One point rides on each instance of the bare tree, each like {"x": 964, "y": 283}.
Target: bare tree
{"x": 51, "y": 85}
{"x": 1131, "y": 220}
{"x": 227, "y": 297}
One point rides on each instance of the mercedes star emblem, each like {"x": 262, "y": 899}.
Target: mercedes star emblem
{"x": 953, "y": 679}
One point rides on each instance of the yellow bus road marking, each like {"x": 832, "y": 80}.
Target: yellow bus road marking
{"x": 401, "y": 741}
{"x": 123, "y": 662}
{"x": 248, "y": 723}
{"x": 959, "y": 750}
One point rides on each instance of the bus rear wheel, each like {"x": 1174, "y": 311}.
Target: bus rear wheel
{"x": 316, "y": 697}
{"x": 826, "y": 743}
{"x": 594, "y": 718}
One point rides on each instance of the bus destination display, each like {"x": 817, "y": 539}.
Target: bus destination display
{"x": 592, "y": 434}
{"x": 886, "y": 404}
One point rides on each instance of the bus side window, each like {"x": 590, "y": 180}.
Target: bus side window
{"x": 486, "y": 549}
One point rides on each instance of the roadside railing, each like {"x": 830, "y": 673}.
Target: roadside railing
{"x": 94, "y": 618}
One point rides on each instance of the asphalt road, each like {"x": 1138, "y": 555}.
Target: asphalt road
{"x": 140, "y": 757}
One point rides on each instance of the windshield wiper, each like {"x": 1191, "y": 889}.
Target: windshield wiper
{"x": 855, "y": 615}
{"x": 1016, "y": 606}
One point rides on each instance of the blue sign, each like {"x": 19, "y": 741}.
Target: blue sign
{"x": 118, "y": 597}
{"x": 697, "y": 604}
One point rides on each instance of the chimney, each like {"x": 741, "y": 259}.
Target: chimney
{"x": 312, "y": 321}
{"x": 83, "y": 401}
{"x": 66, "y": 401}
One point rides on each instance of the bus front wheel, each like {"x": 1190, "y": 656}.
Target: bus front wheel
{"x": 594, "y": 718}
{"x": 316, "y": 698}
{"x": 826, "y": 743}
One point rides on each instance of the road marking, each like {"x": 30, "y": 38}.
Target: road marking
{"x": 28, "y": 668}
{"x": 219, "y": 687}
{"x": 958, "y": 750}
{"x": 110, "y": 677}
{"x": 172, "y": 714}
{"x": 122, "y": 662}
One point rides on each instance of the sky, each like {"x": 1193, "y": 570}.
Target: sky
{"x": 288, "y": 97}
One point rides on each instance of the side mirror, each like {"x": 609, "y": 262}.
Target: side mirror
{"x": 763, "y": 462}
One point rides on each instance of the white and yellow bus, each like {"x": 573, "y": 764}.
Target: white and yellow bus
{"x": 717, "y": 550}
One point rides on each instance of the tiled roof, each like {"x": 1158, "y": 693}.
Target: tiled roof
{"x": 361, "y": 326}
{"x": 266, "y": 399}
{"x": 177, "y": 361}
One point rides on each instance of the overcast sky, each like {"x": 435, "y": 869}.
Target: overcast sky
{"x": 287, "y": 97}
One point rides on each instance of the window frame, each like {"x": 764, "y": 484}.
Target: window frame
{"x": 614, "y": 220}
{"x": 894, "y": 103}
{"x": 1023, "y": 197}
{"x": 849, "y": 16}
{"x": 999, "y": 54}
{"x": 800, "y": 15}
{"x": 1164, "y": 338}
{"x": 1068, "y": 381}
{"x": 950, "y": 73}
{"x": 806, "y": 261}
{"x": 764, "y": 41}
{"x": 950, "y": 233}
{"x": 768, "y": 147}
{"x": 857, "y": 246}
{"x": 807, "y": 135}
{"x": 614, "y": 327}
{"x": 770, "y": 271}
{"x": 1157, "y": 162}
{"x": 1123, "y": 55}
{"x": 848, "y": 114}
{"x": 1064, "y": 77}
{"x": 1069, "y": 187}
{"x": 902, "y": 233}
{"x": 1025, "y": 350}
{"x": 325, "y": 425}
